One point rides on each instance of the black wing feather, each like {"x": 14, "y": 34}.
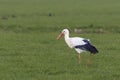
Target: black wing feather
{"x": 88, "y": 47}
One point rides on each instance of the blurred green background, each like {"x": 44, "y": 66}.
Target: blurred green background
{"x": 53, "y": 15}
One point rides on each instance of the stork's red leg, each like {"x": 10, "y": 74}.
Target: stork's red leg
{"x": 89, "y": 59}
{"x": 78, "y": 57}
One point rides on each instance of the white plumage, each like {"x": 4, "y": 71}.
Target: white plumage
{"x": 78, "y": 43}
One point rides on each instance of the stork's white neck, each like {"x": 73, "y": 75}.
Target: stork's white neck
{"x": 67, "y": 36}
{"x": 68, "y": 40}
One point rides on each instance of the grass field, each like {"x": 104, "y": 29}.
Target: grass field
{"x": 34, "y": 57}
{"x": 29, "y": 49}
{"x": 73, "y": 13}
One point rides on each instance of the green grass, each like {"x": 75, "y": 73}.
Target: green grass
{"x": 29, "y": 49}
{"x": 72, "y": 13}
{"x": 36, "y": 56}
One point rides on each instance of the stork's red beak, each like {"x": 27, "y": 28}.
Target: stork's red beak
{"x": 60, "y": 35}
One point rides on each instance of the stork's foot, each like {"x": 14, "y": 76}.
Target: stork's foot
{"x": 89, "y": 63}
{"x": 89, "y": 60}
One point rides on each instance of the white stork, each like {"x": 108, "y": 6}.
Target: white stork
{"x": 78, "y": 43}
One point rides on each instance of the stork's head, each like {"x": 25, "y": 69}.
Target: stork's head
{"x": 64, "y": 32}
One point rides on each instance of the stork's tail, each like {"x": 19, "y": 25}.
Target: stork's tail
{"x": 93, "y": 49}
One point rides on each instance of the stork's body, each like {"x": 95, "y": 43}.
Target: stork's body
{"x": 79, "y": 44}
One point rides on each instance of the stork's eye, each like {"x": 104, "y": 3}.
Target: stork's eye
{"x": 63, "y": 31}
